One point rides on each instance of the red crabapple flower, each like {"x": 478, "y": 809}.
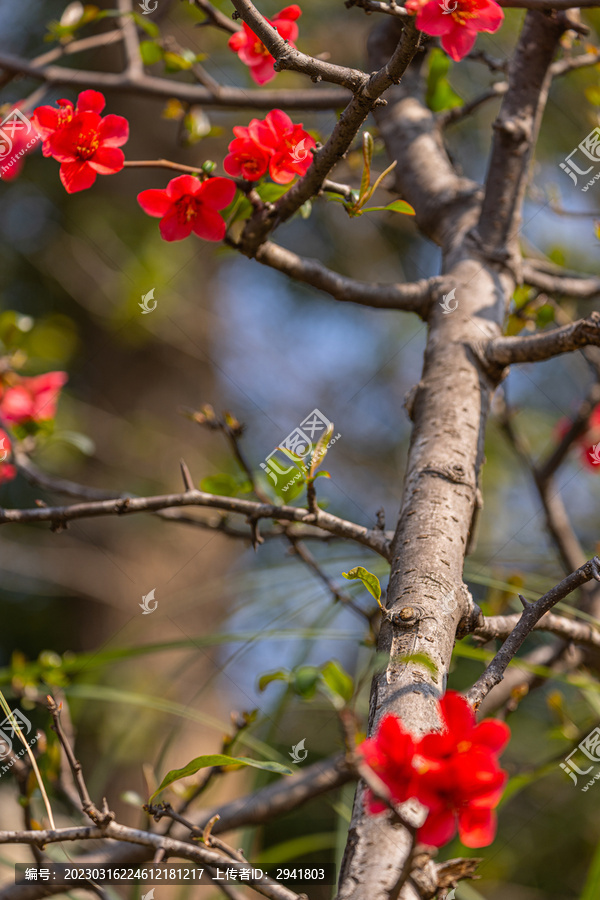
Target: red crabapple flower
{"x": 7, "y": 471}
{"x": 188, "y": 204}
{"x": 274, "y": 142}
{"x": 30, "y": 399}
{"x": 456, "y": 21}
{"x": 453, "y": 772}
{"x": 48, "y": 119}
{"x": 18, "y": 137}
{"x": 253, "y": 52}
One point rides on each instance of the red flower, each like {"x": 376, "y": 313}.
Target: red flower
{"x": 459, "y": 778}
{"x": 88, "y": 146}
{"x": 17, "y": 138}
{"x": 390, "y": 753}
{"x": 31, "y": 399}
{"x": 589, "y": 442}
{"x": 7, "y": 471}
{"x": 187, "y": 205}
{"x": 274, "y": 141}
{"x": 457, "y": 21}
{"x": 253, "y": 52}
{"x": 48, "y": 119}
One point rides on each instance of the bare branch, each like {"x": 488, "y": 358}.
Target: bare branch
{"x": 415, "y": 297}
{"x": 494, "y": 672}
{"x": 505, "y": 351}
{"x": 516, "y": 130}
{"x": 568, "y": 64}
{"x": 369, "y": 6}
{"x": 60, "y": 515}
{"x": 164, "y": 88}
{"x": 135, "y": 65}
{"x": 562, "y": 284}
{"x": 457, "y": 113}
{"x": 215, "y": 17}
{"x": 582, "y": 633}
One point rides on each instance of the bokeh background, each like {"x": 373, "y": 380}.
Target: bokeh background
{"x": 231, "y": 333}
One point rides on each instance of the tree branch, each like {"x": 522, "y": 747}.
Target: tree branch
{"x": 578, "y": 632}
{"x": 415, "y": 297}
{"x": 516, "y": 130}
{"x": 532, "y": 613}
{"x": 553, "y": 281}
{"x": 60, "y": 515}
{"x": 369, "y": 6}
{"x": 505, "y": 351}
{"x": 164, "y": 88}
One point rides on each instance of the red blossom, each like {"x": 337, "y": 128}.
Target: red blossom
{"x": 459, "y": 778}
{"x": 253, "y": 52}
{"x": 456, "y": 21}
{"x": 7, "y": 471}
{"x": 18, "y": 137}
{"x": 390, "y": 754}
{"x": 88, "y": 146}
{"x": 188, "y": 204}
{"x": 31, "y": 399}
{"x": 48, "y": 119}
{"x": 274, "y": 142}
{"x": 453, "y": 772}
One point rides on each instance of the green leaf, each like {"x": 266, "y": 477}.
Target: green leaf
{"x": 177, "y": 62}
{"x": 421, "y": 659}
{"x": 439, "y": 94}
{"x": 591, "y": 888}
{"x": 320, "y": 451}
{"x": 367, "y": 149}
{"x": 151, "y": 52}
{"x": 544, "y": 315}
{"x": 151, "y": 28}
{"x": 226, "y": 485}
{"x": 219, "y": 759}
{"x": 399, "y": 206}
{"x": 338, "y": 680}
{"x": 370, "y": 581}
{"x": 306, "y": 209}
{"x": 306, "y": 679}
{"x": 271, "y": 192}
{"x": 265, "y": 680}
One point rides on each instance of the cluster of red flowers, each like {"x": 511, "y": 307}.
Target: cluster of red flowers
{"x": 456, "y": 21}
{"x": 187, "y": 205}
{"x": 83, "y": 142}
{"x": 253, "y": 52}
{"x": 589, "y": 442}
{"x": 454, "y": 772}
{"x": 274, "y": 143}
{"x": 24, "y": 400}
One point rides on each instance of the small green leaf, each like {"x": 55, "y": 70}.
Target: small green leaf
{"x": 439, "y": 94}
{"x": 544, "y": 315}
{"x": 399, "y": 206}
{"x": 265, "y": 680}
{"x": 367, "y": 148}
{"x": 337, "y": 680}
{"x": 218, "y": 759}
{"x": 226, "y": 485}
{"x": 306, "y": 679}
{"x": 306, "y": 209}
{"x": 320, "y": 450}
{"x": 176, "y": 62}
{"x": 151, "y": 52}
{"x": 151, "y": 28}
{"x": 420, "y": 659}
{"x": 271, "y": 192}
{"x": 370, "y": 581}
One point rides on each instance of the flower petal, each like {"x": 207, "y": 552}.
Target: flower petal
{"x": 208, "y": 224}
{"x": 154, "y": 202}
{"x": 107, "y": 160}
{"x": 217, "y": 193}
{"x": 91, "y": 101}
{"x": 172, "y": 228}
{"x": 476, "y": 827}
{"x": 459, "y": 42}
{"x": 458, "y": 714}
{"x": 439, "y": 828}
{"x": 113, "y": 131}
{"x": 493, "y": 734}
{"x": 182, "y": 185}
{"x": 76, "y": 176}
